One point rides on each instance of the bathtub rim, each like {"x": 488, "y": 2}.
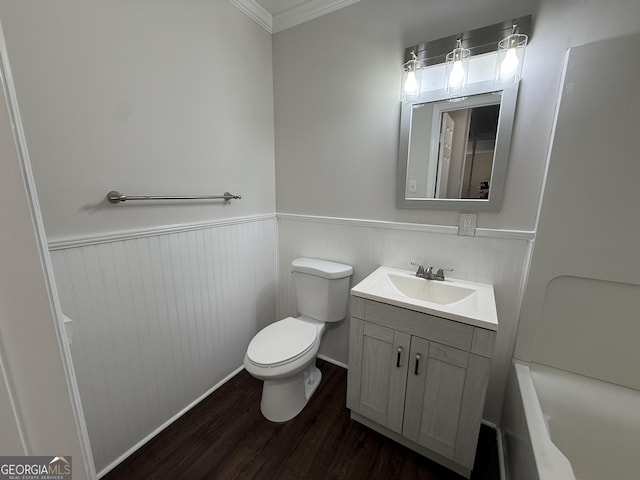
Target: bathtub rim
{"x": 550, "y": 462}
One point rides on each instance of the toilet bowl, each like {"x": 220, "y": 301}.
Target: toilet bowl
{"x": 283, "y": 354}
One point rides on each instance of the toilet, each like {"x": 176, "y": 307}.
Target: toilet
{"x": 283, "y": 354}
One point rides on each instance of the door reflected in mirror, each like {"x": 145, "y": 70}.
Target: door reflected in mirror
{"x": 452, "y": 148}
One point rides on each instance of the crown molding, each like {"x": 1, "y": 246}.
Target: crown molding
{"x": 307, "y": 11}
{"x": 291, "y": 17}
{"x": 255, "y": 12}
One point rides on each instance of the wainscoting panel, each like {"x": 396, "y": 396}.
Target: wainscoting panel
{"x": 498, "y": 260}
{"x": 160, "y": 319}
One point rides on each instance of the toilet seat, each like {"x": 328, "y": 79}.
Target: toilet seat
{"x": 282, "y": 342}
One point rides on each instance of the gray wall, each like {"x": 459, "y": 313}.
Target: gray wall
{"x": 145, "y": 97}
{"x": 37, "y": 411}
{"x": 149, "y": 97}
{"x": 337, "y": 109}
{"x": 337, "y": 89}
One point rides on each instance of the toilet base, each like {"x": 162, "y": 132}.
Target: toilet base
{"x": 284, "y": 399}
{"x": 312, "y": 378}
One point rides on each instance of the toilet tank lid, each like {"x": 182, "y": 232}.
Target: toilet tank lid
{"x": 321, "y": 268}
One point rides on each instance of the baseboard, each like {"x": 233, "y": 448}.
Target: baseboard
{"x": 334, "y": 362}
{"x": 501, "y": 459}
{"x": 146, "y": 439}
{"x": 500, "y": 447}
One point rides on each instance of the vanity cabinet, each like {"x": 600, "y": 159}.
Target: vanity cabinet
{"x": 419, "y": 379}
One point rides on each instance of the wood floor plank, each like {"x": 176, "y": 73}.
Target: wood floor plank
{"x": 226, "y": 437}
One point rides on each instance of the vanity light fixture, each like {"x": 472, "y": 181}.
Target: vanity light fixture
{"x": 426, "y": 63}
{"x": 457, "y": 68}
{"x": 510, "y": 57}
{"x": 411, "y": 78}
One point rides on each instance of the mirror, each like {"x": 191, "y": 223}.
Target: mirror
{"x": 454, "y": 152}
{"x": 451, "y": 148}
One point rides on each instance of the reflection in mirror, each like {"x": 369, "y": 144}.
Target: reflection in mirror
{"x": 454, "y": 151}
{"x": 452, "y": 148}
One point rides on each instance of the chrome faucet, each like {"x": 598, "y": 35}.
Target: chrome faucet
{"x": 440, "y": 273}
{"x": 427, "y": 272}
{"x": 420, "y": 273}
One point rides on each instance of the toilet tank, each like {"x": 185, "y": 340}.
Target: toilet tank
{"x": 322, "y": 288}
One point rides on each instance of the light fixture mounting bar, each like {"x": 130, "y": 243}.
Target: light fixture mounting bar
{"x": 479, "y": 41}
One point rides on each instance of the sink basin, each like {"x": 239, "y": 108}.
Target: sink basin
{"x": 468, "y": 302}
{"x": 443, "y": 293}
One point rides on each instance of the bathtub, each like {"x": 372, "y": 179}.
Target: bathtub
{"x": 561, "y": 426}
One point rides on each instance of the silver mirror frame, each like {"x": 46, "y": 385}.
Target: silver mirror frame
{"x": 500, "y": 159}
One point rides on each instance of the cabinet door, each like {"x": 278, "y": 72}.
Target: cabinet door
{"x": 383, "y": 375}
{"x": 435, "y": 389}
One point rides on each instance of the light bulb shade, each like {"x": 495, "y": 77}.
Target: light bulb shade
{"x": 510, "y": 58}
{"x": 457, "y": 70}
{"x": 411, "y": 80}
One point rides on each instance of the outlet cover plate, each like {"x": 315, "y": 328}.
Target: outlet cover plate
{"x": 467, "y": 224}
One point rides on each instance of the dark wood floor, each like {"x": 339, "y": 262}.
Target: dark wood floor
{"x": 226, "y": 437}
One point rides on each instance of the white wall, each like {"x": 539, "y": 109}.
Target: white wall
{"x": 148, "y": 97}
{"x": 365, "y": 245}
{"x": 37, "y": 414}
{"x": 419, "y": 148}
{"x": 458, "y": 151}
{"x": 160, "y": 319}
{"x": 482, "y": 165}
{"x": 580, "y": 312}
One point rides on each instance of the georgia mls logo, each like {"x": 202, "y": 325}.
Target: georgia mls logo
{"x": 60, "y": 466}
{"x": 35, "y": 468}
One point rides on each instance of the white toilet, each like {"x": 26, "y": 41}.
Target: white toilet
{"x": 283, "y": 354}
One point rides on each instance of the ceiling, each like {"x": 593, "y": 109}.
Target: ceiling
{"x": 277, "y": 15}
{"x": 275, "y": 7}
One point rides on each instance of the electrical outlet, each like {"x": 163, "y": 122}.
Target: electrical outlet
{"x": 467, "y": 224}
{"x": 413, "y": 186}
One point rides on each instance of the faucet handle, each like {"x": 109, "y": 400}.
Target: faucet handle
{"x": 440, "y": 272}
{"x": 420, "y": 272}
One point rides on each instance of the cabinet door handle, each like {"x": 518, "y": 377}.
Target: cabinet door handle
{"x": 398, "y": 357}
{"x": 417, "y": 371}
